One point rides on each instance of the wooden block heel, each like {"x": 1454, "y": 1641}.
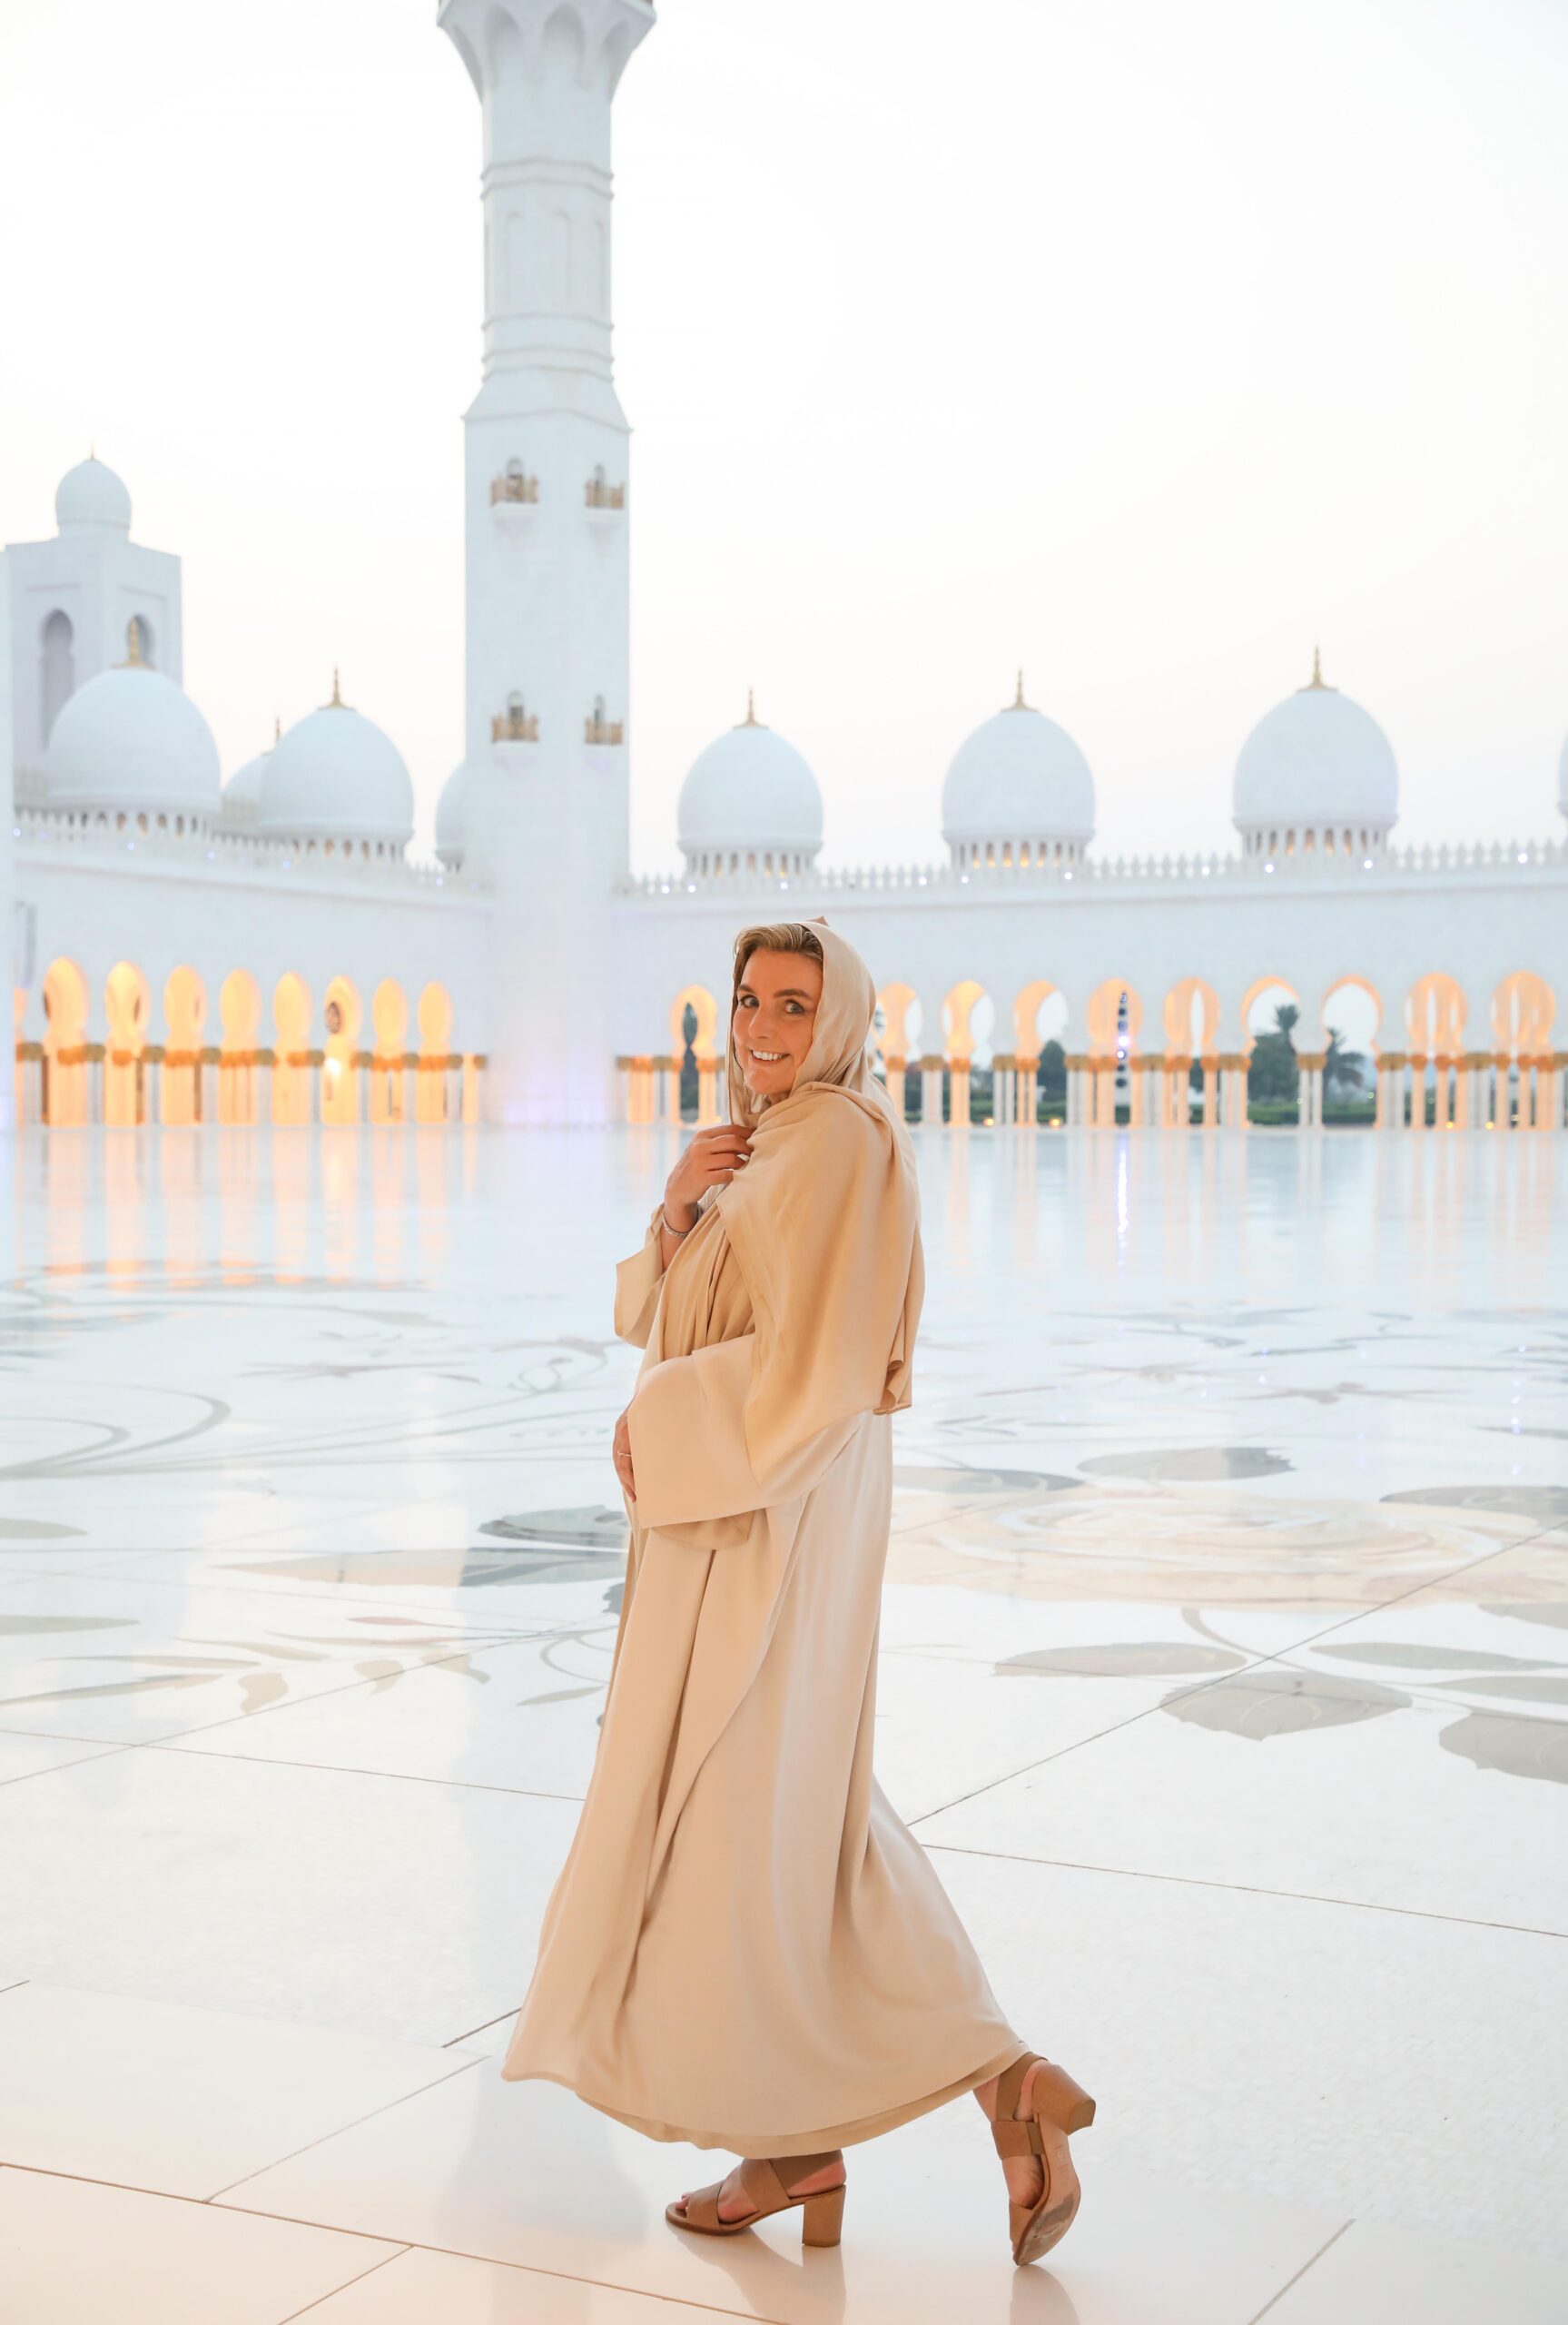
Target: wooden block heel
{"x": 763, "y": 2178}
{"x": 1057, "y": 2106}
{"x": 822, "y": 2217}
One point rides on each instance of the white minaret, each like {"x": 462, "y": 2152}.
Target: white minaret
{"x": 546, "y": 506}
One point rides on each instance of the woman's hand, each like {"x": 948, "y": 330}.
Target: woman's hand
{"x": 712, "y": 1160}
{"x": 622, "y": 1455}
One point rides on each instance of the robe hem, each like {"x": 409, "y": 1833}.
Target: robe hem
{"x": 812, "y": 2143}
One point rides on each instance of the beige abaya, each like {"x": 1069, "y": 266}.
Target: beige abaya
{"x": 746, "y": 1948}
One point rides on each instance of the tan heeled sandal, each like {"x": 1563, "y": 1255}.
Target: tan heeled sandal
{"x": 1060, "y": 2106}
{"x": 763, "y": 2180}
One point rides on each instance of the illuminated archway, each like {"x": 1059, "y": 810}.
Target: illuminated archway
{"x": 435, "y": 1023}
{"x": 390, "y": 1023}
{"x": 1350, "y": 1021}
{"x": 1191, "y": 1019}
{"x": 1112, "y": 1017}
{"x": 125, "y": 1004}
{"x": 65, "y": 1002}
{"x": 1523, "y": 1008}
{"x": 341, "y": 1014}
{"x": 184, "y": 1013}
{"x": 1435, "y": 1027}
{"x": 697, "y": 1049}
{"x": 240, "y": 1016}
{"x": 293, "y": 1064}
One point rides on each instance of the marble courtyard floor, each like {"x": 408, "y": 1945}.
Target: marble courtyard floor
{"x": 1225, "y": 1675}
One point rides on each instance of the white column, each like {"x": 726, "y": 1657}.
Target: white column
{"x": 931, "y": 1075}
{"x": 546, "y": 569}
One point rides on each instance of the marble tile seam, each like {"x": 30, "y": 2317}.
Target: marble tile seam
{"x": 1242, "y": 1889}
{"x": 684, "y": 2302}
{"x": 1275, "y": 2298}
{"x": 338, "y": 2131}
{"x": 98, "y": 1750}
{"x": 322, "y": 2299}
{"x": 187, "y": 1746}
{"x": 200, "y": 2203}
{"x": 454, "y": 2040}
{"x": 1259, "y": 1662}
{"x": 349, "y": 1687}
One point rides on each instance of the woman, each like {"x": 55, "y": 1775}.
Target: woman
{"x": 747, "y": 1949}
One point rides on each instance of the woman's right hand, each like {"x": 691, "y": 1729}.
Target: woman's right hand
{"x": 712, "y": 1160}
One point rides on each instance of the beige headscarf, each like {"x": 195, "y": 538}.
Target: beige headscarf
{"x": 825, "y": 1221}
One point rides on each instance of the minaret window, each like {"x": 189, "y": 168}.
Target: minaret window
{"x": 600, "y": 494}
{"x": 598, "y": 728}
{"x": 58, "y": 668}
{"x": 514, "y": 484}
{"x": 139, "y": 640}
{"x": 516, "y": 724}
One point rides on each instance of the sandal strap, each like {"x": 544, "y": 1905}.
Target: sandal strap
{"x": 1017, "y": 2138}
{"x": 1010, "y": 2084}
{"x": 701, "y": 2206}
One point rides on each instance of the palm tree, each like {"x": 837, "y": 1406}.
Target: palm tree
{"x": 1340, "y": 1064}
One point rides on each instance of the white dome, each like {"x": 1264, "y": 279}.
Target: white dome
{"x": 751, "y": 791}
{"x": 334, "y": 775}
{"x": 453, "y": 817}
{"x": 1020, "y": 776}
{"x": 92, "y": 494}
{"x": 1316, "y": 763}
{"x": 242, "y": 792}
{"x": 132, "y": 739}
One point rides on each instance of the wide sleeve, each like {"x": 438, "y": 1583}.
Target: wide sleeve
{"x": 637, "y": 1282}
{"x": 824, "y": 1225}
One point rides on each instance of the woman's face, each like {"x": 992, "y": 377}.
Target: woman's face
{"x": 775, "y": 1010}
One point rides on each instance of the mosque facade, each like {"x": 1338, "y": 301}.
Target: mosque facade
{"x": 276, "y": 948}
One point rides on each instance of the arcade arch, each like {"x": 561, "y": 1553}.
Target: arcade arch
{"x": 184, "y": 1013}
{"x": 240, "y": 1017}
{"x": 65, "y": 1004}
{"x": 390, "y": 1025}
{"x": 126, "y": 1002}
{"x": 341, "y": 1014}
{"x": 293, "y": 1061}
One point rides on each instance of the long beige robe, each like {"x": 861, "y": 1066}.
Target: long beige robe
{"x": 746, "y": 1948}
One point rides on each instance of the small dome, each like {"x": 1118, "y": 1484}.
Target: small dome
{"x": 1019, "y": 778}
{"x": 92, "y": 494}
{"x": 242, "y": 792}
{"x": 132, "y": 739}
{"x": 751, "y": 791}
{"x": 1316, "y": 763}
{"x": 334, "y": 775}
{"x": 453, "y": 817}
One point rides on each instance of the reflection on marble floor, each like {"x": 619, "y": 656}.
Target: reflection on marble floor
{"x": 1225, "y": 1673}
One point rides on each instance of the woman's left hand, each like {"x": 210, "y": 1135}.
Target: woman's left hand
{"x": 622, "y": 1455}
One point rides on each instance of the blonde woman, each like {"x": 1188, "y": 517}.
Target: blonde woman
{"x": 747, "y": 1949}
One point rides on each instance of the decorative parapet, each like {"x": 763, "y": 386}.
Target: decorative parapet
{"x": 598, "y": 728}
{"x": 64, "y": 837}
{"x": 514, "y": 725}
{"x": 1480, "y": 859}
{"x": 514, "y": 487}
{"x": 598, "y": 494}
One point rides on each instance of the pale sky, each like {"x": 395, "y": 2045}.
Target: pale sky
{"x": 1142, "y": 345}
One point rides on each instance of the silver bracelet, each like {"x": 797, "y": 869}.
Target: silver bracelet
{"x": 678, "y": 1232}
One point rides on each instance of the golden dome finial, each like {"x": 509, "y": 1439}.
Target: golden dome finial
{"x": 337, "y": 702}
{"x": 1018, "y": 702}
{"x": 1314, "y": 684}
{"x": 751, "y": 718}
{"x": 276, "y": 730}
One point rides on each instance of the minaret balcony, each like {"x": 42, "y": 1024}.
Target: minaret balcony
{"x": 514, "y": 725}
{"x": 598, "y": 728}
{"x": 605, "y": 502}
{"x": 514, "y": 495}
